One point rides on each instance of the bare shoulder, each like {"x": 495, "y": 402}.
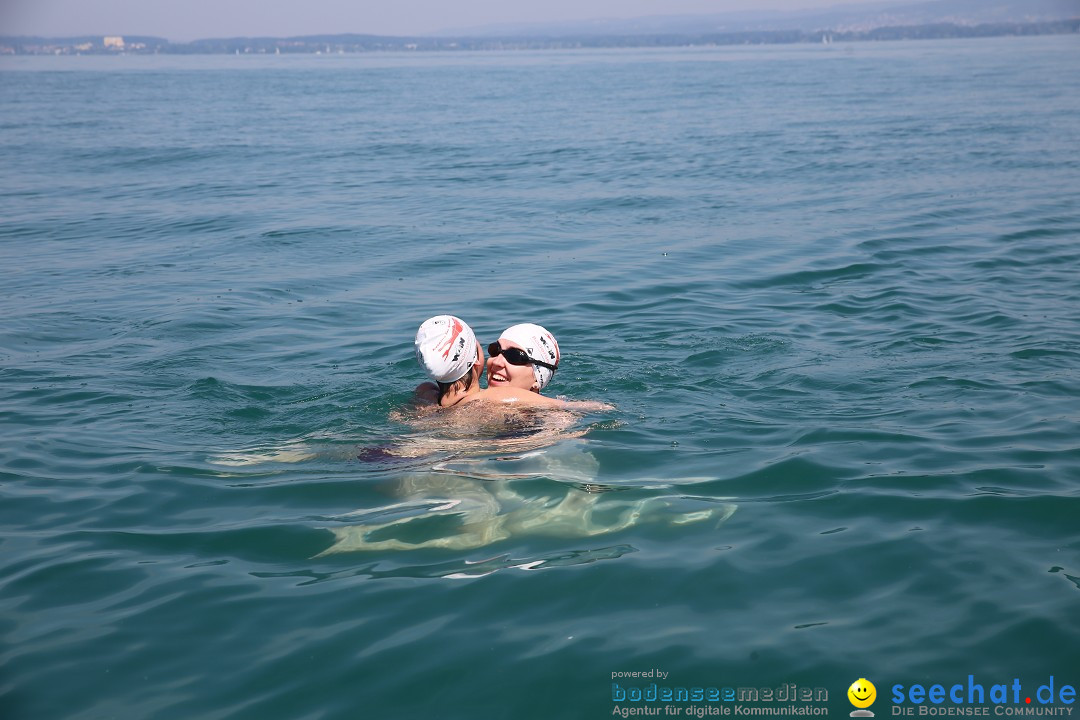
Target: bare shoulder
{"x": 525, "y": 398}
{"x": 516, "y": 396}
{"x": 426, "y": 394}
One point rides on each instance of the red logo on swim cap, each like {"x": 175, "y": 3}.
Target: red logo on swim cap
{"x": 455, "y": 330}
{"x": 554, "y": 355}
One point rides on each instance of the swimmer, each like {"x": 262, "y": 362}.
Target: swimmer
{"x": 447, "y": 349}
{"x": 449, "y": 353}
{"x": 525, "y": 356}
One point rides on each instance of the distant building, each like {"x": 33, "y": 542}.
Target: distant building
{"x": 114, "y": 42}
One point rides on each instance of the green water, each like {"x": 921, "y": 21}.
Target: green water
{"x": 831, "y": 291}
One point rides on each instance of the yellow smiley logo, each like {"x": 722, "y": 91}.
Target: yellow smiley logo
{"x": 862, "y": 693}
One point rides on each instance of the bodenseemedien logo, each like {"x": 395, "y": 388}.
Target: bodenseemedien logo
{"x": 862, "y": 694}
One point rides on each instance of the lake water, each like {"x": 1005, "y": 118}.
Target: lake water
{"x": 832, "y": 292}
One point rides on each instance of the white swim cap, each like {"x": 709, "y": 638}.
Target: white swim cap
{"x": 445, "y": 348}
{"x": 539, "y": 344}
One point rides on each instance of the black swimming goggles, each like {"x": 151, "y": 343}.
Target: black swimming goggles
{"x": 517, "y": 356}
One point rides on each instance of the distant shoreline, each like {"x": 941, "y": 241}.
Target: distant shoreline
{"x": 351, "y": 43}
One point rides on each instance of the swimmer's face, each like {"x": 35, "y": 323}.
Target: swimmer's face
{"x": 503, "y": 374}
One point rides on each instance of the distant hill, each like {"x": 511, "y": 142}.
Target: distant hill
{"x": 862, "y": 18}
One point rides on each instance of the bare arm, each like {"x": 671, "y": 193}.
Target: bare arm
{"x": 586, "y": 405}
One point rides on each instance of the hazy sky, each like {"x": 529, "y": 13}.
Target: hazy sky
{"x": 182, "y": 20}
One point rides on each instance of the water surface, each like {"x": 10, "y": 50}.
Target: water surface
{"x": 834, "y": 287}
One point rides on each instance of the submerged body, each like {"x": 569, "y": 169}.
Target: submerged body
{"x": 473, "y": 502}
{"x": 496, "y": 474}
